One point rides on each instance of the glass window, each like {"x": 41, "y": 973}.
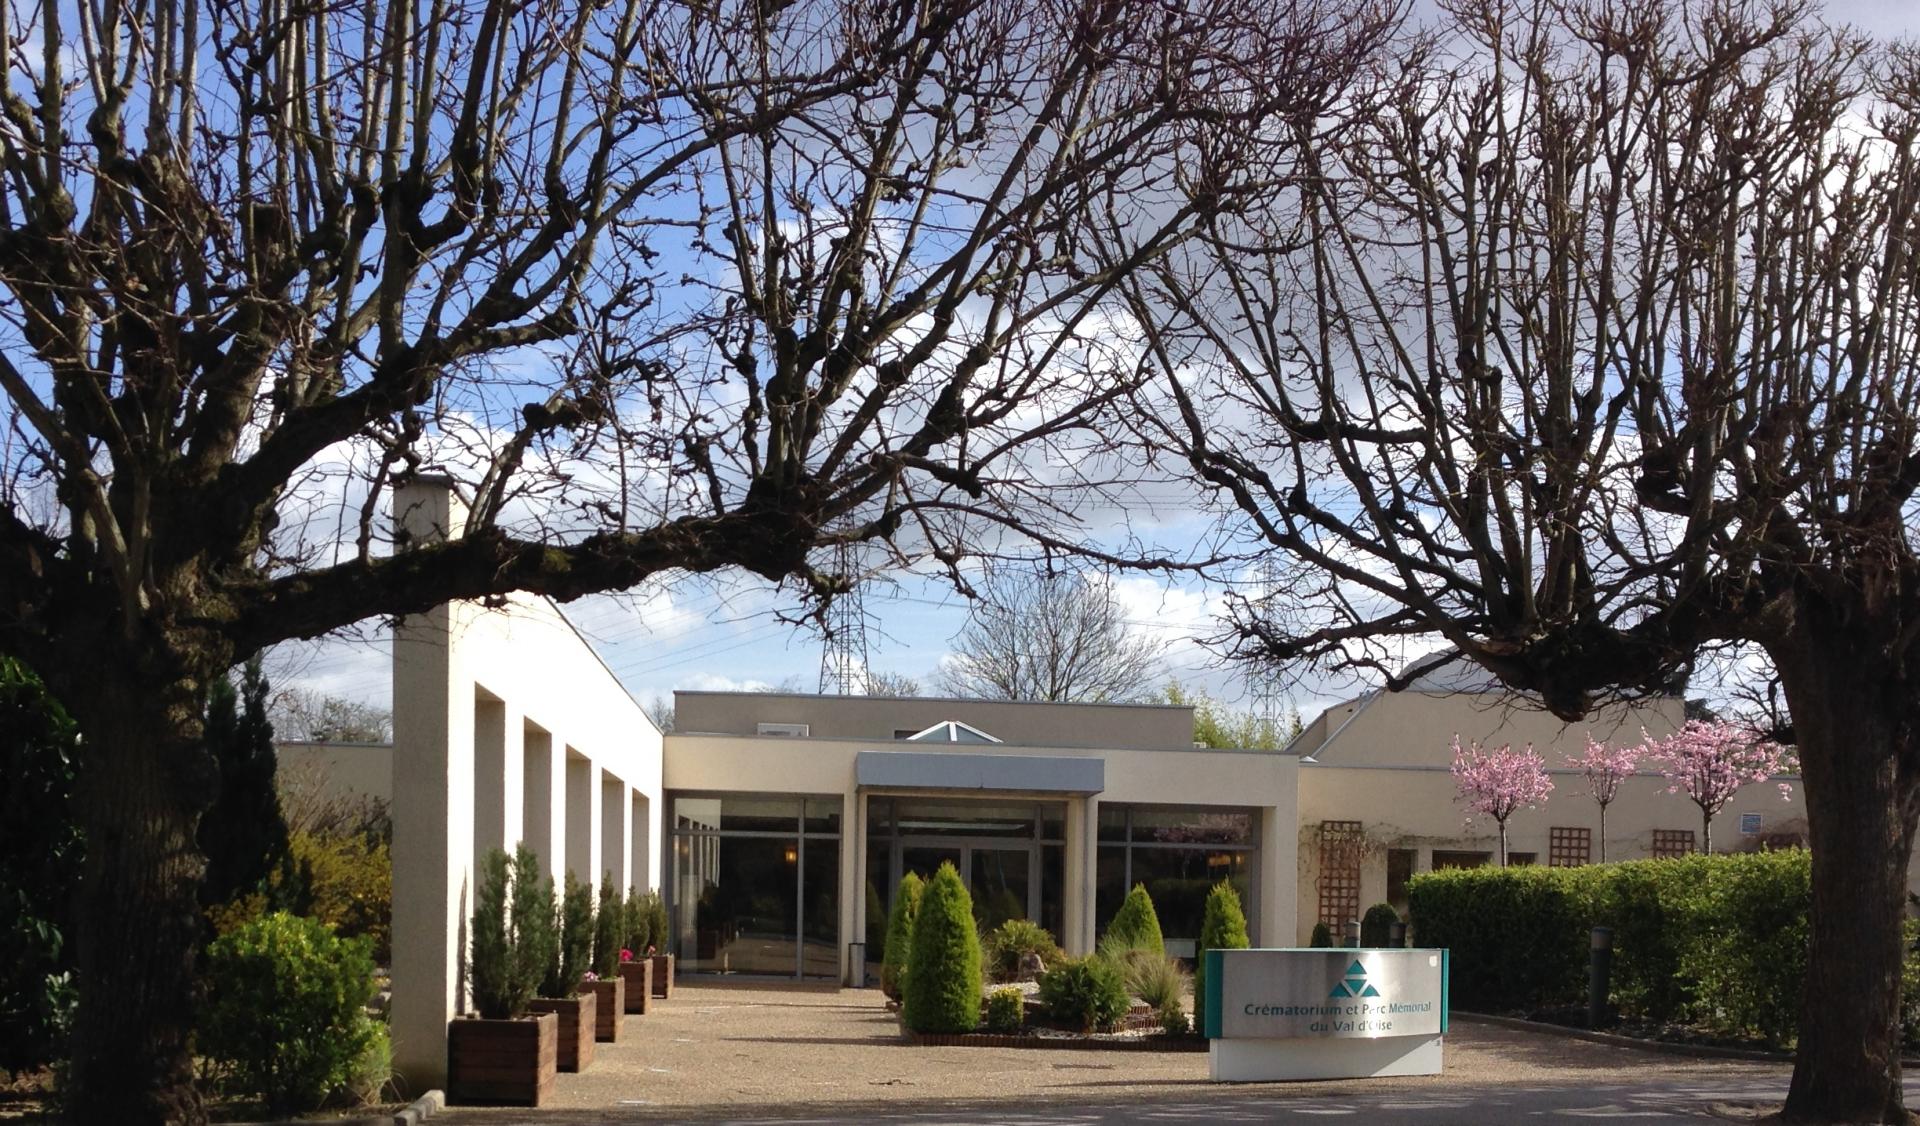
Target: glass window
{"x": 1191, "y": 826}
{"x": 820, "y": 919}
{"x": 823, "y": 815}
{"x": 1053, "y": 820}
{"x": 1109, "y": 884}
{"x": 736, "y": 900}
{"x": 963, "y": 819}
{"x": 759, "y": 815}
{"x": 1053, "y": 882}
{"x": 696, "y": 814}
{"x": 1113, "y": 822}
{"x": 1179, "y": 880}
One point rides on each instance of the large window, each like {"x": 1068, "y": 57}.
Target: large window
{"x": 756, "y": 884}
{"x": 1179, "y": 853}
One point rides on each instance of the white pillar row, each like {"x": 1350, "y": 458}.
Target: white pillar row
{"x": 583, "y": 820}
{"x": 616, "y": 812}
{"x": 544, "y": 787}
{"x": 433, "y": 824}
{"x": 499, "y": 776}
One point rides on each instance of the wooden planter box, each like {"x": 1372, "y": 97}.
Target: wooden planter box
{"x": 577, "y": 1023}
{"x": 610, "y": 1007}
{"x": 508, "y": 1062}
{"x": 638, "y": 978}
{"x": 663, "y": 975}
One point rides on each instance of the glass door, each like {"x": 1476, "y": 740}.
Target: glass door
{"x": 1000, "y": 880}
{"x": 924, "y": 860}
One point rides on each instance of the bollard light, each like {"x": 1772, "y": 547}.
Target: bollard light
{"x": 1397, "y": 934}
{"x": 1599, "y": 975}
{"x": 1353, "y": 933}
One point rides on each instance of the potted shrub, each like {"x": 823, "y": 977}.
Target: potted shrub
{"x": 603, "y": 979}
{"x": 657, "y": 945}
{"x": 503, "y": 1054}
{"x": 560, "y": 992}
{"x": 636, "y": 969}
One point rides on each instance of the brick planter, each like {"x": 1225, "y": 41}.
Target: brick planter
{"x": 506, "y": 1062}
{"x": 610, "y": 1008}
{"x": 638, "y": 977}
{"x": 577, "y": 1022}
{"x": 663, "y": 975}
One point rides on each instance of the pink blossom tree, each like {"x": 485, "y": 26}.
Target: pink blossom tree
{"x": 1605, "y": 766}
{"x": 1499, "y": 782}
{"x": 1709, "y": 762}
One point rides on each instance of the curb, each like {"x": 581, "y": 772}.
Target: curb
{"x": 421, "y": 1109}
{"x": 1004, "y": 1040}
{"x": 1615, "y": 1040}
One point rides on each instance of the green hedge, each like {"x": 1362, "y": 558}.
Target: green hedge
{"x": 1716, "y": 941}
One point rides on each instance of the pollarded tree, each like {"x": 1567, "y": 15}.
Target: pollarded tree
{"x": 1050, "y": 635}
{"x": 1594, "y": 344}
{"x": 664, "y": 285}
{"x": 1710, "y": 762}
{"x": 1499, "y": 783}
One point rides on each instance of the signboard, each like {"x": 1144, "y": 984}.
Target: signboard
{"x": 1290, "y": 994}
{"x": 1749, "y": 824}
{"x": 1324, "y": 1014}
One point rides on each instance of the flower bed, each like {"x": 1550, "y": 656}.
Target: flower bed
{"x": 1130, "y": 1041}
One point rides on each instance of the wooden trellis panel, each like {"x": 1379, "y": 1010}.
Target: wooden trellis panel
{"x": 1669, "y": 843}
{"x": 1341, "y": 846}
{"x": 1569, "y": 846}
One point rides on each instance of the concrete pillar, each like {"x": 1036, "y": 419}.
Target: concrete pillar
{"x": 1083, "y": 818}
{"x": 499, "y": 775}
{"x": 543, "y": 790}
{"x": 853, "y": 881}
{"x": 583, "y": 820}
{"x": 640, "y": 844}
{"x": 433, "y": 811}
{"x": 615, "y": 817}
{"x": 1279, "y": 876}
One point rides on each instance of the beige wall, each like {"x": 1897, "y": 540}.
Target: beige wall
{"x": 337, "y": 772}
{"x": 1141, "y": 726}
{"x": 1263, "y": 781}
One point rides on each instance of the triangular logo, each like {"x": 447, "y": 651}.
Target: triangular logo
{"x": 1355, "y": 983}
{"x": 1340, "y": 990}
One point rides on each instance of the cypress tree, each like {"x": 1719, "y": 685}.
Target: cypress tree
{"x": 608, "y": 930}
{"x": 242, "y": 834}
{"x": 533, "y": 938}
{"x": 899, "y": 942}
{"x": 1136, "y": 926}
{"x": 942, "y": 991}
{"x": 1222, "y": 927}
{"x": 575, "y": 946}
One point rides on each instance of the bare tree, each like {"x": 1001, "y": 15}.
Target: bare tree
{"x": 300, "y": 714}
{"x": 1050, "y": 635}
{"x": 659, "y": 709}
{"x": 1596, "y": 345}
{"x": 891, "y": 684}
{"x": 662, "y": 284}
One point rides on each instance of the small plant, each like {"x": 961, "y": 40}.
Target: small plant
{"x": 606, "y": 930}
{"x": 1087, "y": 993}
{"x": 656, "y": 924}
{"x": 1222, "y": 927}
{"x": 1376, "y": 926}
{"x": 1006, "y": 1010}
{"x": 286, "y": 1012}
{"x": 1173, "y": 1019}
{"x": 1154, "y": 978}
{"x": 575, "y": 945}
{"x": 1136, "y": 924}
{"x": 893, "y": 959}
{"x": 942, "y": 990}
{"x": 372, "y": 1073}
{"x": 1007, "y": 946}
{"x": 1322, "y": 937}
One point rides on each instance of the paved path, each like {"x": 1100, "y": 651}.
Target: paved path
{"x": 758, "y": 1055}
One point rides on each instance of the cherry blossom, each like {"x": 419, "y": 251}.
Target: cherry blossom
{"x": 1709, "y": 762}
{"x": 1499, "y": 782}
{"x": 1605, "y": 766}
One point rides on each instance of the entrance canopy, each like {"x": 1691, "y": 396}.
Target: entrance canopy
{"x": 948, "y": 770}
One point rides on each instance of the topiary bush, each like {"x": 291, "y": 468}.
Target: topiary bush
{"x": 1006, "y": 1010}
{"x": 1086, "y": 993}
{"x": 573, "y": 949}
{"x": 1376, "y": 926}
{"x": 607, "y": 930}
{"x": 942, "y": 989}
{"x": 1173, "y": 1019}
{"x": 1321, "y": 938}
{"x": 1136, "y": 925}
{"x": 1222, "y": 927}
{"x": 893, "y": 959}
{"x": 286, "y": 1010}
{"x": 1007, "y": 944}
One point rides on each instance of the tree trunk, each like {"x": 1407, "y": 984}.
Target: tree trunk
{"x": 1603, "y": 832}
{"x": 145, "y": 777}
{"x": 1706, "y": 832}
{"x": 1856, "y": 741}
{"x": 1503, "y": 842}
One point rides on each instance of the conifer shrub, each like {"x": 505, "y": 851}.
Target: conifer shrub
{"x": 608, "y": 930}
{"x": 1006, "y": 1010}
{"x": 942, "y": 989}
{"x": 1085, "y": 993}
{"x": 574, "y": 950}
{"x": 498, "y": 991}
{"x": 893, "y": 958}
{"x": 1008, "y": 944}
{"x": 656, "y": 923}
{"x": 1222, "y": 927}
{"x": 1136, "y": 924}
{"x": 286, "y": 1015}
{"x": 636, "y": 924}
{"x": 1376, "y": 926}
{"x": 1321, "y": 938}
{"x": 535, "y": 937}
